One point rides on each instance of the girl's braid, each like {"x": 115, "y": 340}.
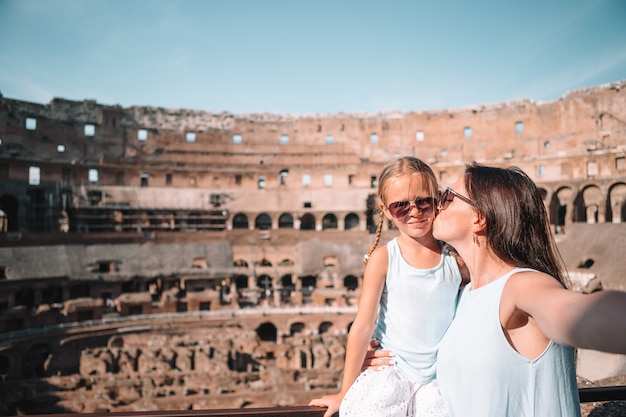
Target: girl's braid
{"x": 379, "y": 232}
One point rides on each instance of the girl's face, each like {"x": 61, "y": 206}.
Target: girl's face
{"x": 408, "y": 203}
{"x": 453, "y": 223}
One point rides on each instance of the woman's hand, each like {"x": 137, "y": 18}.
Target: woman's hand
{"x": 377, "y": 359}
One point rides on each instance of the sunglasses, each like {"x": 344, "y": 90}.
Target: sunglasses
{"x": 447, "y": 197}
{"x": 401, "y": 209}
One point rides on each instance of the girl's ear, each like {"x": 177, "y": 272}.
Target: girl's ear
{"x": 384, "y": 210}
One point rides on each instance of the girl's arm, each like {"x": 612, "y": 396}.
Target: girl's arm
{"x": 361, "y": 329}
{"x": 589, "y": 321}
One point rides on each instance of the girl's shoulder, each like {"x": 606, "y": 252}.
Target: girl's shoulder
{"x": 380, "y": 254}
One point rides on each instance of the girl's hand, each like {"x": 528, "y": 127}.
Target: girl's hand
{"x": 331, "y": 401}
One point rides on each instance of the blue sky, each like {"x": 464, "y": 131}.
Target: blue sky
{"x": 304, "y": 57}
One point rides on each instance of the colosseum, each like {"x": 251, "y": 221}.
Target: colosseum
{"x": 173, "y": 259}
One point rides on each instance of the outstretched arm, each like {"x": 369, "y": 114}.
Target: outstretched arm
{"x": 590, "y": 321}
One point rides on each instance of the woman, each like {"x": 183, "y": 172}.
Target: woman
{"x": 509, "y": 350}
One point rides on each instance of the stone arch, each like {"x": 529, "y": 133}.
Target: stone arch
{"x": 265, "y": 284}
{"x": 616, "y": 203}
{"x": 329, "y": 221}
{"x": 115, "y": 342}
{"x": 287, "y": 288}
{"x": 241, "y": 263}
{"x": 287, "y": 281}
{"x": 307, "y": 222}
{"x": 588, "y": 203}
{"x": 558, "y": 208}
{"x": 240, "y": 221}
{"x": 285, "y": 221}
{"x": 282, "y": 175}
{"x": 351, "y": 221}
{"x": 263, "y": 262}
{"x": 10, "y": 206}
{"x": 263, "y": 222}
{"x": 286, "y": 262}
{"x": 241, "y": 281}
{"x": 350, "y": 282}
{"x": 267, "y": 332}
{"x": 297, "y": 327}
{"x": 324, "y": 327}
{"x": 372, "y": 214}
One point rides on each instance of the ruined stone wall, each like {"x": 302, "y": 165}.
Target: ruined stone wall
{"x": 276, "y": 359}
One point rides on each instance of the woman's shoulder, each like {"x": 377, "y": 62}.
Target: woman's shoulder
{"x": 529, "y": 284}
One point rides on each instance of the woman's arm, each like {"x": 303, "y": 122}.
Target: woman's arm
{"x": 590, "y": 321}
{"x": 377, "y": 359}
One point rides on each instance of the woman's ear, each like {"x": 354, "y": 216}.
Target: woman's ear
{"x": 479, "y": 223}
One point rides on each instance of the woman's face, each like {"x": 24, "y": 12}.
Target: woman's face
{"x": 454, "y": 222}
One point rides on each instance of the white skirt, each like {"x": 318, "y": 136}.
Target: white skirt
{"x": 388, "y": 393}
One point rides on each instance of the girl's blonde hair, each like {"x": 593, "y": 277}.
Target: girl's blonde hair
{"x": 407, "y": 165}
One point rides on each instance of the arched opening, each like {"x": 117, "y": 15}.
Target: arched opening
{"x": 324, "y": 327}
{"x": 240, "y": 221}
{"x": 616, "y": 204}
{"x": 371, "y": 213}
{"x": 351, "y": 221}
{"x": 263, "y": 262}
{"x": 264, "y": 283}
{"x": 287, "y": 288}
{"x": 329, "y": 221}
{"x": 285, "y": 221}
{"x": 351, "y": 283}
{"x": 116, "y": 342}
{"x": 267, "y": 332}
{"x": 307, "y": 222}
{"x": 241, "y": 281}
{"x": 263, "y": 222}
{"x": 240, "y": 263}
{"x": 558, "y": 209}
{"x": 591, "y": 202}
{"x": 9, "y": 205}
{"x": 296, "y": 328}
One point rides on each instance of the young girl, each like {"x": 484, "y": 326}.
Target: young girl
{"x": 408, "y": 299}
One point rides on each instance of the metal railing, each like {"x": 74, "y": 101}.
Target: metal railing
{"x": 592, "y": 394}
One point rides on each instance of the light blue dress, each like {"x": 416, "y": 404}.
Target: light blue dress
{"x": 416, "y": 308}
{"x": 481, "y": 375}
